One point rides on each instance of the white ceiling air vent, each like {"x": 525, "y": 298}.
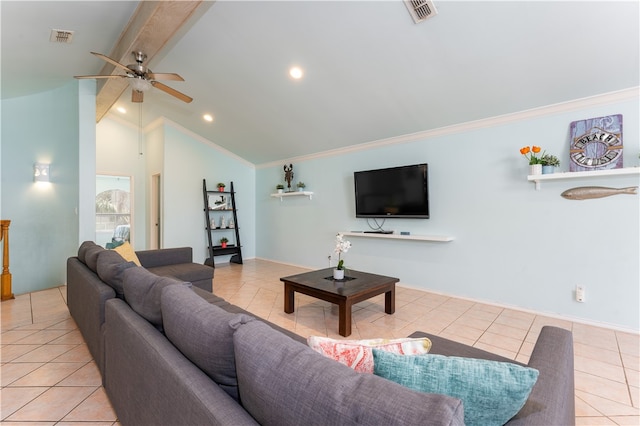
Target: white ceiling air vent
{"x": 421, "y": 10}
{"x": 61, "y": 36}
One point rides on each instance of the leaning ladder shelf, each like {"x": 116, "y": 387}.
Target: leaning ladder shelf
{"x": 211, "y": 212}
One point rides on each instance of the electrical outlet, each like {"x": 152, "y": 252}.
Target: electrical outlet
{"x": 329, "y": 260}
{"x": 580, "y": 293}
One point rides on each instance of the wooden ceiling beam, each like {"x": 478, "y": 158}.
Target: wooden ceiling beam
{"x": 152, "y": 26}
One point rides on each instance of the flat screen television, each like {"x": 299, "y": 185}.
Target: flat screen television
{"x": 396, "y": 192}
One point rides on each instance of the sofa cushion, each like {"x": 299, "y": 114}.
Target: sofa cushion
{"x": 492, "y": 392}
{"x": 358, "y": 354}
{"x": 165, "y": 256}
{"x": 191, "y": 272}
{"x": 126, "y": 251}
{"x": 201, "y": 331}
{"x": 142, "y": 291}
{"x": 91, "y": 256}
{"x": 82, "y": 250}
{"x": 111, "y": 267}
{"x": 211, "y": 298}
{"x": 281, "y": 381}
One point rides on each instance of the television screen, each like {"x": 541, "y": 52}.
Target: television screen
{"x": 401, "y": 192}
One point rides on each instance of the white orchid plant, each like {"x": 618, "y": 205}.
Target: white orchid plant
{"x": 342, "y": 246}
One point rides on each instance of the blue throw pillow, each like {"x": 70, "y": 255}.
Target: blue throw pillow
{"x": 492, "y": 392}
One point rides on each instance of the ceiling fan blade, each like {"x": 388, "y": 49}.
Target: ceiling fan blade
{"x": 111, "y": 61}
{"x": 171, "y": 91}
{"x": 99, "y": 76}
{"x": 137, "y": 96}
{"x": 164, "y": 76}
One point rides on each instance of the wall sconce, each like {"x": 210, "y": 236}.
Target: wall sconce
{"x": 41, "y": 172}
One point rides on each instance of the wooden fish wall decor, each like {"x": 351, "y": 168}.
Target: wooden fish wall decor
{"x": 588, "y": 192}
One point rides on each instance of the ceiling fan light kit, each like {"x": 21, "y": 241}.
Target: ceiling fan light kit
{"x": 141, "y": 78}
{"x": 140, "y": 84}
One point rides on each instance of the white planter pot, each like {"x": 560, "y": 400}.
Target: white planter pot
{"x": 338, "y": 274}
{"x": 535, "y": 169}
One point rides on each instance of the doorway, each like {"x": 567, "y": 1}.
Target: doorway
{"x": 155, "y": 232}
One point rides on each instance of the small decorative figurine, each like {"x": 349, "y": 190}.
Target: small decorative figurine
{"x": 288, "y": 176}
{"x": 231, "y": 223}
{"x": 223, "y": 222}
{"x": 220, "y": 204}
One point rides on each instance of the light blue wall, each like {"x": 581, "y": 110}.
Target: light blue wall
{"x": 44, "y": 220}
{"x": 187, "y": 160}
{"x": 513, "y": 245}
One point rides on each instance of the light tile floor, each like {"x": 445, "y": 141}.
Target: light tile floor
{"x": 48, "y": 377}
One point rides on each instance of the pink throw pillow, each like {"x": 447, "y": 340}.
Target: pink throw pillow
{"x": 358, "y": 354}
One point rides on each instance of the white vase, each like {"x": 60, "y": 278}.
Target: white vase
{"x": 338, "y": 274}
{"x": 535, "y": 169}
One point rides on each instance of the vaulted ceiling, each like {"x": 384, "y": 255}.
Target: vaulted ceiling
{"x": 370, "y": 73}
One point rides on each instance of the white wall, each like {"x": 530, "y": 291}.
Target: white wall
{"x": 182, "y": 159}
{"x": 86, "y": 159}
{"x": 154, "y": 154}
{"x": 118, "y": 154}
{"x": 513, "y": 245}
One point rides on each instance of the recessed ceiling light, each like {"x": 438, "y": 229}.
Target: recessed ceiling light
{"x": 296, "y": 72}
{"x": 122, "y": 110}
{"x": 208, "y": 117}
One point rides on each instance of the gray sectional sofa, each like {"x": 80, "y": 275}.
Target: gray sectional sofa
{"x": 89, "y": 272}
{"x": 174, "y": 354}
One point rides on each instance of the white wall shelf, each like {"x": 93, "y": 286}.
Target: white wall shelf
{"x": 293, "y": 194}
{"x": 577, "y": 175}
{"x": 439, "y": 238}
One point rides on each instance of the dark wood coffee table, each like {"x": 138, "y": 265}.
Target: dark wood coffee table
{"x": 357, "y": 287}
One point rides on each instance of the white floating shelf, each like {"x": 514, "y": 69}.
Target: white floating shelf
{"x": 293, "y": 194}
{"x": 439, "y": 238}
{"x": 577, "y": 175}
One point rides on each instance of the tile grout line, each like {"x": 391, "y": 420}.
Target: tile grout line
{"x": 31, "y": 307}
{"x": 624, "y": 369}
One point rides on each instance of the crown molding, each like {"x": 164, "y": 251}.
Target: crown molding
{"x": 574, "y": 105}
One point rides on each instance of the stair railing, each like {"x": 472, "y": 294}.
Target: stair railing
{"x": 5, "y": 278}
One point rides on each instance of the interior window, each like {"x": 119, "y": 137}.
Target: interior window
{"x": 113, "y": 210}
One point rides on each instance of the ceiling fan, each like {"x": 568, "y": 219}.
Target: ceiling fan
{"x": 141, "y": 78}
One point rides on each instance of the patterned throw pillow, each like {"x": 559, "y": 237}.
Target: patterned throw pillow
{"x": 492, "y": 392}
{"x": 358, "y": 354}
{"x": 127, "y": 252}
